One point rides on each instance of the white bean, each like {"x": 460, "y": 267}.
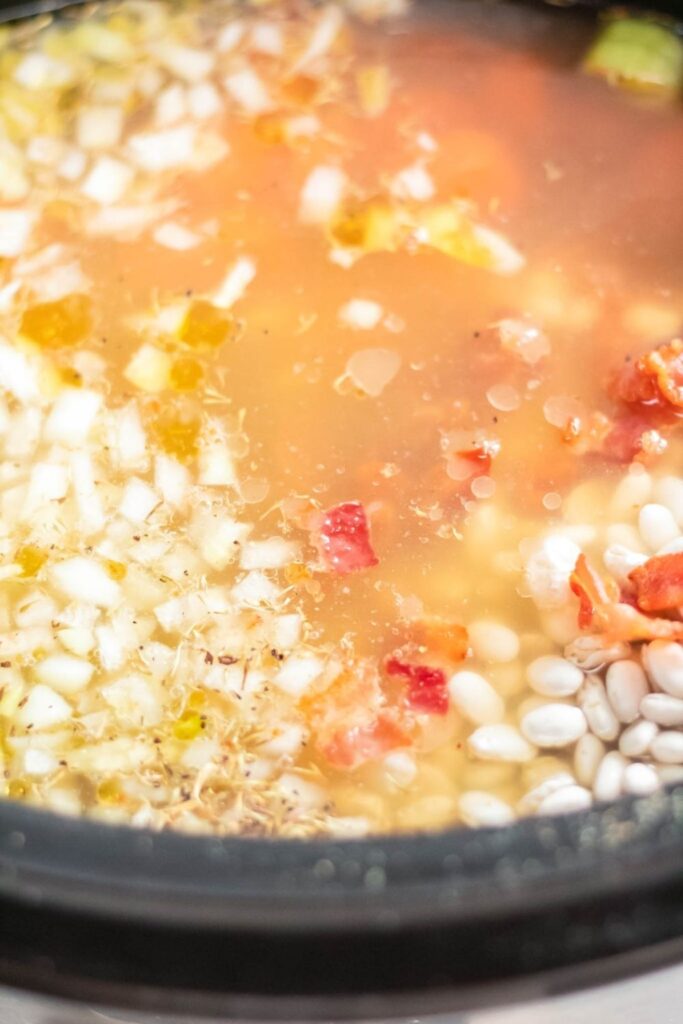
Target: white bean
{"x": 632, "y": 491}
{"x": 475, "y": 698}
{"x": 657, "y": 526}
{"x": 610, "y": 776}
{"x": 670, "y": 773}
{"x": 669, "y": 491}
{"x": 566, "y": 800}
{"x": 588, "y": 754}
{"x": 663, "y": 660}
{"x": 667, "y": 747}
{"x": 593, "y": 702}
{"x": 492, "y": 641}
{"x": 480, "y": 809}
{"x": 641, "y": 779}
{"x": 591, "y": 653}
{"x": 500, "y": 743}
{"x": 553, "y": 676}
{"x": 533, "y": 799}
{"x": 672, "y": 548}
{"x": 662, "y": 709}
{"x": 554, "y": 725}
{"x": 621, "y": 561}
{"x": 637, "y": 739}
{"x": 626, "y": 685}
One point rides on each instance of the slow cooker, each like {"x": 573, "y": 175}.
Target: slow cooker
{"x": 548, "y": 920}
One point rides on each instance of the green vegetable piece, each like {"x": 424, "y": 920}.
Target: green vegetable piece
{"x": 638, "y": 54}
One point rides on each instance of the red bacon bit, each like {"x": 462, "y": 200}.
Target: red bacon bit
{"x": 352, "y": 747}
{"x": 345, "y": 539}
{"x": 480, "y": 458}
{"x": 591, "y": 591}
{"x": 427, "y": 687}
{"x": 655, "y": 379}
{"x": 440, "y": 636}
{"x": 659, "y": 583}
{"x": 602, "y": 610}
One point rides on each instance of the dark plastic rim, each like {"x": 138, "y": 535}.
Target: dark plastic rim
{"x": 310, "y": 928}
{"x": 306, "y": 929}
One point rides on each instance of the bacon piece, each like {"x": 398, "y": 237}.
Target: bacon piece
{"x": 479, "y": 457}
{"x": 440, "y": 636}
{"x": 592, "y": 591}
{"x": 601, "y": 609}
{"x": 659, "y": 583}
{"x": 427, "y": 686}
{"x": 345, "y": 539}
{"x": 361, "y": 743}
{"x": 655, "y": 379}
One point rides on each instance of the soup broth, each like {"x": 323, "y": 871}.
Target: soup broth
{"x": 340, "y": 392}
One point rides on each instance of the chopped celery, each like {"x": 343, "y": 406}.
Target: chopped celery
{"x": 638, "y": 54}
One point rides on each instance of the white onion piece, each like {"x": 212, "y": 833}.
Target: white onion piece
{"x": 298, "y": 673}
{"x": 163, "y": 150}
{"x": 108, "y": 181}
{"x": 371, "y": 369}
{"x": 248, "y": 91}
{"x": 91, "y": 516}
{"x": 85, "y": 579}
{"x": 413, "y": 182}
{"x": 172, "y": 235}
{"x": 138, "y": 500}
{"x": 72, "y": 416}
{"x": 64, "y": 673}
{"x": 235, "y": 283}
{"x": 188, "y": 63}
{"x": 326, "y": 30}
{"x": 126, "y": 222}
{"x": 40, "y": 71}
{"x": 274, "y": 553}
{"x": 321, "y": 194}
{"x": 43, "y": 709}
{"x": 149, "y": 369}
{"x": 171, "y": 480}
{"x": 204, "y": 101}
{"x": 15, "y": 230}
{"x": 506, "y": 260}
{"x": 171, "y": 105}
{"x": 99, "y": 127}
{"x": 361, "y": 314}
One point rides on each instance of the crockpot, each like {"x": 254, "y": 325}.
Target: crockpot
{"x": 579, "y": 917}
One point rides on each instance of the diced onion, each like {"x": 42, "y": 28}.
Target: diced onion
{"x": 274, "y": 553}
{"x": 15, "y": 230}
{"x": 171, "y": 480}
{"x": 64, "y": 673}
{"x": 88, "y": 503}
{"x": 171, "y": 105}
{"x": 325, "y": 32}
{"x": 188, "y": 63}
{"x": 413, "y": 183}
{"x": 99, "y": 127}
{"x": 235, "y": 283}
{"x": 108, "y": 181}
{"x": 322, "y": 194}
{"x": 149, "y": 369}
{"x": 204, "y": 101}
{"x": 72, "y": 416}
{"x": 40, "y": 71}
{"x": 172, "y": 235}
{"x": 248, "y": 91}
{"x": 361, "y": 314}
{"x": 138, "y": 500}
{"x": 86, "y": 579}
{"x": 163, "y": 150}
{"x": 44, "y": 708}
{"x": 505, "y": 258}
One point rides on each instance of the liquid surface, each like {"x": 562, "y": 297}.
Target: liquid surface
{"x": 355, "y": 289}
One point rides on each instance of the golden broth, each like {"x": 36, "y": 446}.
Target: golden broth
{"x": 584, "y": 182}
